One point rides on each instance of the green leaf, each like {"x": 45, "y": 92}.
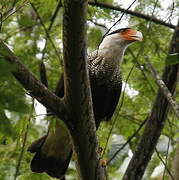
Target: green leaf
{"x": 5, "y": 69}
{"x": 94, "y": 37}
{"x": 172, "y": 59}
{"x": 5, "y": 125}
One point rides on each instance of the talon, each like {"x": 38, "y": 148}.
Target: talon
{"x": 103, "y": 163}
{"x": 100, "y": 150}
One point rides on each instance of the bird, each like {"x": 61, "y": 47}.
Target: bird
{"x": 53, "y": 151}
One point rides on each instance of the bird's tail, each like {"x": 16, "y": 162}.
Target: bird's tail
{"x": 52, "y": 155}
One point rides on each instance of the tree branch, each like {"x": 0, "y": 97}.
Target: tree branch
{"x": 156, "y": 121}
{"x": 46, "y": 31}
{"x": 127, "y": 142}
{"x": 35, "y": 88}
{"x": 163, "y": 88}
{"x": 137, "y": 14}
{"x": 165, "y": 165}
{"x": 25, "y": 136}
{"x": 77, "y": 90}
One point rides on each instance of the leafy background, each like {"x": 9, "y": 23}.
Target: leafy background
{"x": 31, "y": 32}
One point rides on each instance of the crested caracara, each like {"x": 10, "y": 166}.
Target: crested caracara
{"x": 53, "y": 151}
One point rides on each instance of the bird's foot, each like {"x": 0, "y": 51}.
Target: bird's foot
{"x": 103, "y": 163}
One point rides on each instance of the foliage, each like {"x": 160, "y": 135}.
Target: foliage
{"x": 172, "y": 59}
{"x": 23, "y": 31}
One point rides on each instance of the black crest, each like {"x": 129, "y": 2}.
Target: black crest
{"x": 118, "y": 31}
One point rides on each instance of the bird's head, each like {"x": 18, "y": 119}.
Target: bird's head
{"x": 117, "y": 41}
{"x": 127, "y": 35}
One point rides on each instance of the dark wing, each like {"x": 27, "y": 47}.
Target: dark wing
{"x": 113, "y": 100}
{"x": 105, "y": 97}
{"x": 105, "y": 100}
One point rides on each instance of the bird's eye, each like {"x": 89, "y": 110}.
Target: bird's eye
{"x": 122, "y": 30}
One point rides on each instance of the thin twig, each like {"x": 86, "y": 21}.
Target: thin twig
{"x": 117, "y": 21}
{"x": 114, "y": 120}
{"x": 12, "y": 7}
{"x": 158, "y": 154}
{"x": 163, "y": 88}
{"x": 131, "y": 118}
{"x": 19, "y": 30}
{"x": 141, "y": 69}
{"x": 59, "y": 5}
{"x": 137, "y": 14}
{"x": 46, "y": 31}
{"x": 166, "y": 159}
{"x": 171, "y": 13}
{"x": 98, "y": 24}
{"x": 1, "y": 16}
{"x": 24, "y": 140}
{"x": 18, "y": 8}
{"x": 127, "y": 142}
{"x": 114, "y": 23}
{"x": 119, "y": 18}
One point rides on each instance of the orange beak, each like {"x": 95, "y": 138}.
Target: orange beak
{"x": 131, "y": 35}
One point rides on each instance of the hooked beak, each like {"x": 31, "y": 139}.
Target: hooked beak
{"x": 132, "y": 35}
{"x": 137, "y": 36}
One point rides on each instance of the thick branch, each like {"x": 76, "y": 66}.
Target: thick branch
{"x": 77, "y": 90}
{"x": 32, "y": 85}
{"x": 156, "y": 121}
{"x": 137, "y": 14}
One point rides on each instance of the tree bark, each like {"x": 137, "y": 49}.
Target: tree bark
{"x": 33, "y": 86}
{"x": 156, "y": 121}
{"x": 175, "y": 164}
{"x": 77, "y": 90}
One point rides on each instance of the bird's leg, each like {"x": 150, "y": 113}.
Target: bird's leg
{"x": 103, "y": 162}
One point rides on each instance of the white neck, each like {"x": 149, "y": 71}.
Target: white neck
{"x": 113, "y": 48}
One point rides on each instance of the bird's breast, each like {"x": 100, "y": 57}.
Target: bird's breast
{"x": 105, "y": 74}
